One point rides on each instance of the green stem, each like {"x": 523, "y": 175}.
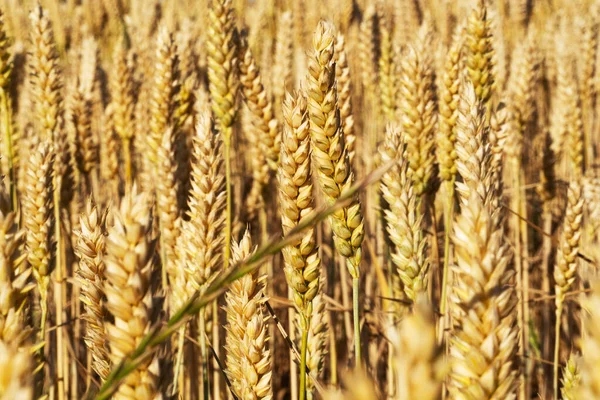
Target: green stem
{"x": 355, "y": 293}
{"x": 557, "y": 348}
{"x": 204, "y": 354}
{"x": 6, "y": 112}
{"x": 228, "y": 217}
{"x": 303, "y": 350}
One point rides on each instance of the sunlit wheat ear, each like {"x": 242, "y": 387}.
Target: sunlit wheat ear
{"x": 418, "y": 362}
{"x": 448, "y": 108}
{"x": 6, "y": 64}
{"x": 483, "y": 346}
{"x": 590, "y": 345}
{"x": 344, "y": 91}
{"x": 474, "y": 155}
{"x": 417, "y": 110}
{"x": 90, "y": 249}
{"x": 200, "y": 245}
{"x": 46, "y": 86}
{"x": 403, "y": 218}
{"x": 302, "y": 262}
{"x": 367, "y": 52}
{"x": 129, "y": 263}
{"x": 248, "y": 363}
{"x": 479, "y": 52}
{"x": 38, "y": 222}
{"x": 222, "y": 61}
{"x": 330, "y": 156}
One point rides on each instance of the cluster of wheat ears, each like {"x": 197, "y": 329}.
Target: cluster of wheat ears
{"x": 299, "y": 199}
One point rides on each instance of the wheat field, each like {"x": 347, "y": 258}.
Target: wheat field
{"x": 299, "y": 199}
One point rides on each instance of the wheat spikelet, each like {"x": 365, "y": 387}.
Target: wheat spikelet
{"x": 403, "y": 218}
{"x": 222, "y": 62}
{"x": 344, "y": 92}
{"x": 302, "y": 262}
{"x": 248, "y": 358}
{"x": 566, "y": 257}
{"x": 590, "y": 345}
{"x": 37, "y": 208}
{"x": 571, "y": 379}
{"x": 90, "y": 248}
{"x": 164, "y": 91}
{"x": 85, "y": 147}
{"x": 448, "y": 108}
{"x": 330, "y": 155}
{"x": 479, "y": 52}
{"x": 498, "y": 136}
{"x": 129, "y": 263}
{"x": 418, "y": 364}
{"x": 418, "y": 112}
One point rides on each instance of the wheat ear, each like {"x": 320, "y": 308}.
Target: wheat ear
{"x": 418, "y": 361}
{"x": 222, "y": 85}
{"x": 483, "y": 346}
{"x": 387, "y": 69}
{"x": 283, "y": 65}
{"x": 90, "y": 248}
{"x": 37, "y": 208}
{"x": 129, "y": 263}
{"x": 248, "y": 358}
{"x": 565, "y": 270}
{"x": 123, "y": 97}
{"x": 418, "y": 111}
{"x": 479, "y": 52}
{"x": 302, "y": 261}
{"x": 403, "y": 218}
{"x": 330, "y": 157}
{"x": 266, "y": 127}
